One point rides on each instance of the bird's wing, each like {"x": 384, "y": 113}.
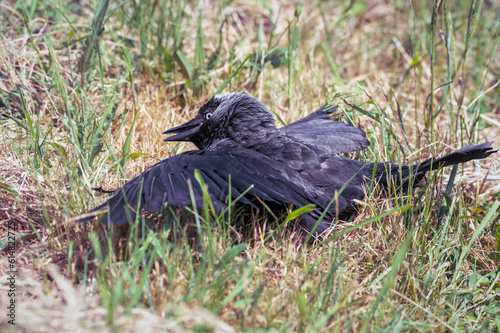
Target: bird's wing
{"x": 168, "y": 182}
{"x": 319, "y": 129}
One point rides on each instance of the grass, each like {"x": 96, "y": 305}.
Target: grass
{"x": 419, "y": 78}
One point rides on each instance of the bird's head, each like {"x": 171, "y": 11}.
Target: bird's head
{"x": 235, "y": 117}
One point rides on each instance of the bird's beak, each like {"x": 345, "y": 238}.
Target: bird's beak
{"x": 184, "y": 132}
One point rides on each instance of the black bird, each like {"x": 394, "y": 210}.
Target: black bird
{"x": 240, "y": 145}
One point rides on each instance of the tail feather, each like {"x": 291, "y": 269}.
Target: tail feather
{"x": 465, "y": 154}
{"x": 407, "y": 176}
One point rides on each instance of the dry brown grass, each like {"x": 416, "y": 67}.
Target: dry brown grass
{"x": 54, "y": 304}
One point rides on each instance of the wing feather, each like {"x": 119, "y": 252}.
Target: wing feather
{"x": 167, "y": 182}
{"x": 335, "y": 136}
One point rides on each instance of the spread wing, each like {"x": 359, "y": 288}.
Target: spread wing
{"x": 169, "y": 182}
{"x": 319, "y": 129}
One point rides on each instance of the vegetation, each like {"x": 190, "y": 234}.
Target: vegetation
{"x": 87, "y": 88}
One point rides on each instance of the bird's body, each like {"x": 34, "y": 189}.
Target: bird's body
{"x": 241, "y": 149}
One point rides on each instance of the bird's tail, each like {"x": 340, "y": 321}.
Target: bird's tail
{"x": 465, "y": 154}
{"x": 387, "y": 173}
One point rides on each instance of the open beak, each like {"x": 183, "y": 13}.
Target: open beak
{"x": 184, "y": 132}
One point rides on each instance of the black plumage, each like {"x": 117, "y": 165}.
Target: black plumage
{"x": 240, "y": 145}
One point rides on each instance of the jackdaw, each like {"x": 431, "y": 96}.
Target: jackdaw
{"x": 241, "y": 151}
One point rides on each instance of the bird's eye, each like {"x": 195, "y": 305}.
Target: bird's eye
{"x": 208, "y": 115}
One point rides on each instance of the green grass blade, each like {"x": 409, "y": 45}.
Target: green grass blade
{"x": 484, "y": 223}
{"x": 221, "y": 89}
